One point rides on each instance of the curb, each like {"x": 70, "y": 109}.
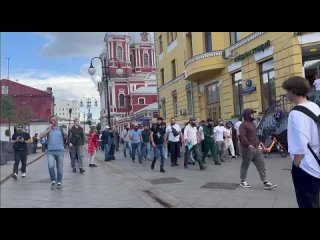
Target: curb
{"x": 6, "y": 178}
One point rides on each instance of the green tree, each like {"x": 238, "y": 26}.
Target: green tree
{"x": 98, "y": 127}
{"x": 8, "y": 111}
{"x": 25, "y": 115}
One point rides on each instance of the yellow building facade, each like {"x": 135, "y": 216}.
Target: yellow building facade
{"x": 218, "y": 74}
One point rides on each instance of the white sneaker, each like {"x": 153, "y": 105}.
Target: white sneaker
{"x": 23, "y": 175}
{"x": 245, "y": 185}
{"x": 268, "y": 185}
{"x": 53, "y": 184}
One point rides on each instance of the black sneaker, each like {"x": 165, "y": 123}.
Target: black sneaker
{"x": 176, "y": 165}
{"x": 15, "y": 176}
{"x": 74, "y": 170}
{"x": 152, "y": 167}
{"x": 203, "y": 168}
{"x": 162, "y": 170}
{"x": 93, "y": 165}
{"x": 82, "y": 170}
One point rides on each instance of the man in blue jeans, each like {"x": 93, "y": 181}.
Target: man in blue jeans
{"x": 55, "y": 136}
{"x": 107, "y": 138}
{"x": 136, "y": 139}
{"x": 158, "y": 137}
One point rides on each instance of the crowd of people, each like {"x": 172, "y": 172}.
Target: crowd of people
{"x": 220, "y": 140}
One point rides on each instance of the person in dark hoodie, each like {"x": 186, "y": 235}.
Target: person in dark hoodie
{"x": 250, "y": 151}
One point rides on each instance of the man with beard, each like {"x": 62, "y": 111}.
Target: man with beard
{"x": 192, "y": 143}
{"x": 250, "y": 151}
{"x": 158, "y": 137}
{"x": 209, "y": 143}
{"x": 19, "y": 140}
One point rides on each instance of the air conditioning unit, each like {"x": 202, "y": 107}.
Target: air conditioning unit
{"x": 228, "y": 54}
{"x": 183, "y": 111}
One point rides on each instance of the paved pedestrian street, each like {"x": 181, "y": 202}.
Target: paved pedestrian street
{"x": 123, "y": 184}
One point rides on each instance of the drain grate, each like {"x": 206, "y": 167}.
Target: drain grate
{"x": 164, "y": 180}
{"x": 222, "y": 186}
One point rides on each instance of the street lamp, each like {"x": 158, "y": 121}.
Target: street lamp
{"x": 106, "y": 75}
{"x": 88, "y": 100}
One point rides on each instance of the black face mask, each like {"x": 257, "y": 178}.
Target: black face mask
{"x": 193, "y": 124}
{"x": 127, "y": 129}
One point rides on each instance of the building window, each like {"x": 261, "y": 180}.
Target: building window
{"x": 234, "y": 37}
{"x": 213, "y": 95}
{"x": 237, "y": 93}
{"x": 174, "y": 69}
{"x": 119, "y": 53}
{"x": 146, "y": 60}
{"x": 189, "y": 99}
{"x": 160, "y": 45}
{"x": 162, "y": 76}
{"x": 121, "y": 100}
{"x": 268, "y": 88}
{"x": 175, "y": 105}
{"x": 141, "y": 101}
{"x": 208, "y": 41}
{"x": 189, "y": 45}
{"x": 163, "y": 106}
{"x": 171, "y": 37}
{"x": 5, "y": 90}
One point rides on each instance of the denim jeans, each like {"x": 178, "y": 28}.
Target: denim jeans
{"x": 55, "y": 159}
{"x": 126, "y": 145}
{"x": 145, "y": 149}
{"x": 136, "y": 146}
{"x": 20, "y": 156}
{"x": 159, "y": 149}
{"x": 107, "y": 148}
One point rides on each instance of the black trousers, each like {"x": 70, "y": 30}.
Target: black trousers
{"x": 20, "y": 156}
{"x": 174, "y": 151}
{"x": 307, "y": 188}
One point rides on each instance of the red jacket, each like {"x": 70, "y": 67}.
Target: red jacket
{"x": 93, "y": 142}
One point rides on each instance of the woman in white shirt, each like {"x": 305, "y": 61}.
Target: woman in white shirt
{"x": 302, "y": 130}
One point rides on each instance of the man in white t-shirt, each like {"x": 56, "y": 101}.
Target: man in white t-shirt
{"x": 302, "y": 130}
{"x": 237, "y": 126}
{"x": 220, "y": 134}
{"x": 316, "y": 83}
{"x": 174, "y": 133}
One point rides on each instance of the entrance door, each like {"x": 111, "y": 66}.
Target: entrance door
{"x": 213, "y": 101}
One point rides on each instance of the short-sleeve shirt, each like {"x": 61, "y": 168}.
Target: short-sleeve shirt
{"x": 23, "y": 145}
{"x": 158, "y": 133}
{"x": 173, "y": 138}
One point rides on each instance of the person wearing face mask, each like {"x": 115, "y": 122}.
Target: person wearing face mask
{"x": 136, "y": 139}
{"x": 219, "y": 134}
{"x": 126, "y": 140}
{"x": 250, "y": 151}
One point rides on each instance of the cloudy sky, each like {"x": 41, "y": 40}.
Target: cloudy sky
{"x": 56, "y": 59}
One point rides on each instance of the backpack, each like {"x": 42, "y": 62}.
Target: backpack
{"x": 309, "y": 113}
{"x": 174, "y": 131}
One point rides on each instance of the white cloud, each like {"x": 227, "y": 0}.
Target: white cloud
{"x": 73, "y": 44}
{"x": 73, "y": 87}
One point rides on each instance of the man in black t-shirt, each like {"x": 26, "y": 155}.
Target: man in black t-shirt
{"x": 158, "y": 136}
{"x": 19, "y": 140}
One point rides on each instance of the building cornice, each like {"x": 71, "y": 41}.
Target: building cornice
{"x": 202, "y": 56}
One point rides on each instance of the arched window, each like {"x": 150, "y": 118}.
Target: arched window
{"x": 121, "y": 100}
{"x": 141, "y": 101}
{"x": 119, "y": 53}
{"x": 146, "y": 60}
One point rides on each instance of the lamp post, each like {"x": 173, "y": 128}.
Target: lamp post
{"x": 106, "y": 75}
{"x": 88, "y": 101}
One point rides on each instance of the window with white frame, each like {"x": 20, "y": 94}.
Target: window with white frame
{"x": 122, "y": 102}
{"x": 146, "y": 60}
{"x": 141, "y": 101}
{"x": 119, "y": 53}
{"x": 5, "y": 90}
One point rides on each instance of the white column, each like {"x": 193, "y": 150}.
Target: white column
{"x": 136, "y": 62}
{"x": 112, "y": 48}
{"x": 139, "y": 56}
{"x": 152, "y": 59}
{"x": 109, "y": 50}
